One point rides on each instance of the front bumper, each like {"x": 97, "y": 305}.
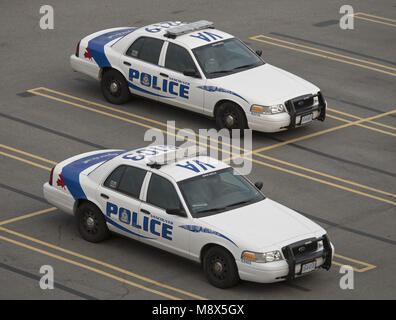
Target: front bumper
{"x": 289, "y": 268}
{"x": 288, "y": 120}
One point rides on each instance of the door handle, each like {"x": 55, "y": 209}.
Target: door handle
{"x": 164, "y": 75}
{"x": 127, "y": 63}
{"x": 145, "y": 211}
{"x": 104, "y": 196}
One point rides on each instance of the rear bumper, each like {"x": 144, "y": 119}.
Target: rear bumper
{"x": 85, "y": 66}
{"x": 58, "y": 198}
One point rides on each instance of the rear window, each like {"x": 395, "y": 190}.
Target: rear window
{"x": 146, "y": 49}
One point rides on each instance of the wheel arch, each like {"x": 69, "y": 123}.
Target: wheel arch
{"x": 79, "y": 202}
{"x": 210, "y": 245}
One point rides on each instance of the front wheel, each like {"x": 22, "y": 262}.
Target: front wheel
{"x": 114, "y": 87}
{"x": 230, "y": 116}
{"x": 220, "y": 268}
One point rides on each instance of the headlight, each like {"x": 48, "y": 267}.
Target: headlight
{"x": 262, "y": 257}
{"x": 315, "y": 100}
{"x": 278, "y": 108}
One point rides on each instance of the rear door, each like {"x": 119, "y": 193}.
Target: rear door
{"x": 140, "y": 64}
{"x": 183, "y": 90}
{"x": 119, "y": 200}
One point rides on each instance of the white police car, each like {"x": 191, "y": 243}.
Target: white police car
{"x": 190, "y": 205}
{"x": 198, "y": 68}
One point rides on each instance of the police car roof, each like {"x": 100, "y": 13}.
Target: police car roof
{"x": 200, "y": 36}
{"x": 179, "y": 169}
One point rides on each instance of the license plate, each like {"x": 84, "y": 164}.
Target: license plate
{"x": 306, "y": 118}
{"x": 308, "y": 267}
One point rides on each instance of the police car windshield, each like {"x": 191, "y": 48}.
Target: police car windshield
{"x": 226, "y": 57}
{"x": 218, "y": 191}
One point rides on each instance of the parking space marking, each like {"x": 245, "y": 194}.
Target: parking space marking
{"x": 246, "y": 152}
{"x": 356, "y": 117}
{"x": 362, "y": 125}
{"x": 104, "y": 264}
{"x": 134, "y": 115}
{"x": 27, "y": 154}
{"x": 377, "y": 19}
{"x": 24, "y": 160}
{"x": 318, "y": 133}
{"x": 367, "y": 266}
{"x": 329, "y": 55}
{"x": 27, "y": 216}
{"x": 84, "y": 266}
{"x": 326, "y": 175}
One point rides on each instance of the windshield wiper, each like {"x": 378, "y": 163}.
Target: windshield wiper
{"x": 220, "y": 71}
{"x": 245, "y": 66}
{"x": 238, "y": 203}
{"x": 211, "y": 210}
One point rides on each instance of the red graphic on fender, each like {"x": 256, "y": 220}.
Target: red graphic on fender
{"x": 60, "y": 182}
{"x": 87, "y": 54}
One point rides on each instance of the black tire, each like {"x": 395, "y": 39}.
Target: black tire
{"x": 230, "y": 116}
{"x": 91, "y": 223}
{"x": 114, "y": 87}
{"x": 220, "y": 268}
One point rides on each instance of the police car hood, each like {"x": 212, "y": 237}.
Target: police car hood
{"x": 263, "y": 224}
{"x": 266, "y": 85}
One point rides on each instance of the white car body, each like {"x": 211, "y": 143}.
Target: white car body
{"x": 263, "y": 85}
{"x": 259, "y": 227}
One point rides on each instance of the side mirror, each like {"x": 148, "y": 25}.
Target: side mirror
{"x": 191, "y": 73}
{"x": 259, "y": 52}
{"x": 176, "y": 212}
{"x": 259, "y": 185}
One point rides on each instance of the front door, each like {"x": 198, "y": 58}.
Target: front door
{"x": 183, "y": 90}
{"x": 161, "y": 195}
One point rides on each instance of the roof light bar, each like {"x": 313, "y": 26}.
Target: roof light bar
{"x": 175, "y": 155}
{"x": 189, "y": 27}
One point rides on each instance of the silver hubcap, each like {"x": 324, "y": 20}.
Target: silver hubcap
{"x": 113, "y": 87}
{"x": 90, "y": 222}
{"x": 229, "y": 120}
{"x": 218, "y": 267}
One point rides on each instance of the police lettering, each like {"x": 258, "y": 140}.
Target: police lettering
{"x": 149, "y": 224}
{"x": 148, "y": 80}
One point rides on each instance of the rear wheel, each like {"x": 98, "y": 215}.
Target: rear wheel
{"x": 230, "y": 116}
{"x": 114, "y": 87}
{"x": 220, "y": 268}
{"x": 91, "y": 223}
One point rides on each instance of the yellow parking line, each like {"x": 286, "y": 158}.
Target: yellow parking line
{"x": 28, "y": 154}
{"x": 81, "y": 265}
{"x": 325, "y": 175}
{"x": 322, "y": 56}
{"x": 318, "y": 133}
{"x": 134, "y": 115}
{"x": 371, "y": 15}
{"x": 367, "y": 267}
{"x": 329, "y": 52}
{"x": 103, "y": 264}
{"x": 356, "y": 117}
{"x": 26, "y": 161}
{"x": 362, "y": 125}
{"x": 233, "y": 155}
{"x": 374, "y": 20}
{"x": 27, "y": 216}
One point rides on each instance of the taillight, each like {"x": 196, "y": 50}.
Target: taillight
{"x": 78, "y": 49}
{"x": 51, "y": 175}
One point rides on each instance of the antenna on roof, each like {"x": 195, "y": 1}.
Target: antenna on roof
{"x": 189, "y": 27}
{"x": 156, "y": 162}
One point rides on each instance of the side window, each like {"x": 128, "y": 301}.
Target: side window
{"x": 162, "y": 193}
{"x": 178, "y": 59}
{"x": 146, "y": 49}
{"x": 113, "y": 180}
